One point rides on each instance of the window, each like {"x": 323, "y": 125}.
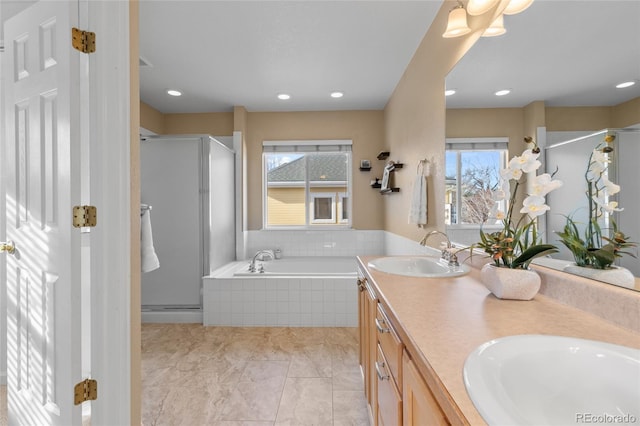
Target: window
{"x": 306, "y": 184}
{"x": 472, "y": 174}
{"x": 323, "y": 209}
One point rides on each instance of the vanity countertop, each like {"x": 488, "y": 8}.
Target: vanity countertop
{"x": 441, "y": 321}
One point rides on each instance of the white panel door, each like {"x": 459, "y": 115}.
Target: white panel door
{"x": 43, "y": 275}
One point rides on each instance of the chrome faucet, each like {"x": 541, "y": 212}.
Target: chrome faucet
{"x": 447, "y": 254}
{"x": 252, "y": 265}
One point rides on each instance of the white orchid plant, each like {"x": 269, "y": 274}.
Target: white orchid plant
{"x": 517, "y": 244}
{"x": 596, "y": 250}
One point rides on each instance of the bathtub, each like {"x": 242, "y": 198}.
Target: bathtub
{"x": 291, "y": 292}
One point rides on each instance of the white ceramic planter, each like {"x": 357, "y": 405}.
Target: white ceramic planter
{"x": 613, "y": 275}
{"x": 506, "y": 283}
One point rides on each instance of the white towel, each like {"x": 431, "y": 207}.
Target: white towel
{"x": 418, "y": 208}
{"x": 147, "y": 251}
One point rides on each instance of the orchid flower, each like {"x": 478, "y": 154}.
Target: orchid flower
{"x": 610, "y": 207}
{"x": 543, "y": 184}
{"x": 609, "y": 186}
{"x": 527, "y": 162}
{"x": 510, "y": 173}
{"x": 534, "y": 206}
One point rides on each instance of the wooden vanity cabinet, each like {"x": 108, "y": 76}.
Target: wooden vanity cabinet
{"x": 419, "y": 404}
{"x": 396, "y": 392}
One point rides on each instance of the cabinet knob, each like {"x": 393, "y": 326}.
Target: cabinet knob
{"x": 380, "y": 326}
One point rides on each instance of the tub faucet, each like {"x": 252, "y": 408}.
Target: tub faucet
{"x": 451, "y": 258}
{"x": 252, "y": 265}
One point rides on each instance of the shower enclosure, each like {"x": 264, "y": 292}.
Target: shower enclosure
{"x": 569, "y": 153}
{"x": 188, "y": 180}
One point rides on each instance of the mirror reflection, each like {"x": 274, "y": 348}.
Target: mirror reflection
{"x": 561, "y": 93}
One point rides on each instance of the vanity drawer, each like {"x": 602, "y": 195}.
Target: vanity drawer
{"x": 389, "y": 398}
{"x": 390, "y": 344}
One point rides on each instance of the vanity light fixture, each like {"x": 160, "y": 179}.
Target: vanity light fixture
{"x": 457, "y": 22}
{"x": 449, "y": 92}
{"x": 517, "y": 6}
{"x": 337, "y": 94}
{"x": 284, "y": 96}
{"x": 478, "y": 7}
{"x": 502, "y": 92}
{"x": 496, "y": 28}
{"x": 625, "y": 84}
{"x": 173, "y": 92}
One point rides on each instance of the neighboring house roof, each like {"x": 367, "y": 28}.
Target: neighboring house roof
{"x": 324, "y": 167}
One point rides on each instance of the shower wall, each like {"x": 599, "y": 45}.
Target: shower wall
{"x": 182, "y": 177}
{"x": 569, "y": 152}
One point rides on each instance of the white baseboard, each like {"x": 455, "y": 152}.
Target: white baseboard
{"x": 188, "y": 316}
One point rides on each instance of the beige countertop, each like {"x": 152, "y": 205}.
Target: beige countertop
{"x": 441, "y": 321}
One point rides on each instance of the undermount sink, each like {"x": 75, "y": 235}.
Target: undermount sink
{"x": 554, "y": 380}
{"x": 418, "y": 266}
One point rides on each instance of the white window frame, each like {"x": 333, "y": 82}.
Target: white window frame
{"x": 312, "y": 211}
{"x": 341, "y": 197}
{"x": 306, "y": 147}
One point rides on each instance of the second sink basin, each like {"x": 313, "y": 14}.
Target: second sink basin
{"x": 554, "y": 380}
{"x": 417, "y": 266}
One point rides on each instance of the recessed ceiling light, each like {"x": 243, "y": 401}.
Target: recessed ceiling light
{"x": 174, "y": 92}
{"x": 625, "y": 84}
{"x": 503, "y": 92}
{"x": 337, "y": 94}
{"x": 450, "y": 92}
{"x": 284, "y": 96}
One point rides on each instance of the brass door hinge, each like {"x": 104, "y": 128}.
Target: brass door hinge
{"x": 84, "y": 216}
{"x": 86, "y": 390}
{"x": 84, "y": 41}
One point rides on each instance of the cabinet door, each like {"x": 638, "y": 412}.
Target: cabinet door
{"x": 372, "y": 303}
{"x": 389, "y": 398}
{"x": 363, "y": 330}
{"x": 419, "y": 405}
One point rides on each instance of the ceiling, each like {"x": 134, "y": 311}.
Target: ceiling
{"x": 223, "y": 54}
{"x": 567, "y": 53}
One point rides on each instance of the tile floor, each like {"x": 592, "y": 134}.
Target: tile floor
{"x": 195, "y": 375}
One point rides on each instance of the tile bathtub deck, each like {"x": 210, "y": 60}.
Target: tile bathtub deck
{"x": 195, "y": 375}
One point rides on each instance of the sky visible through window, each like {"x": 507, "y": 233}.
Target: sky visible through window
{"x": 470, "y": 160}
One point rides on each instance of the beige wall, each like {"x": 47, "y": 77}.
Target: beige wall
{"x": 415, "y": 120}
{"x": 210, "y": 123}
{"x": 364, "y": 128}
{"x": 151, "y": 119}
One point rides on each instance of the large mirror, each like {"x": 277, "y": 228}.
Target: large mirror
{"x": 569, "y": 55}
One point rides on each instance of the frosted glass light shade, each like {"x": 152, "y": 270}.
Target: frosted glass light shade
{"x": 478, "y": 7}
{"x": 517, "y": 6}
{"x": 496, "y": 28}
{"x": 457, "y": 23}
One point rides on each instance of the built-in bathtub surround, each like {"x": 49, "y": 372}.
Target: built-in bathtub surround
{"x": 293, "y": 298}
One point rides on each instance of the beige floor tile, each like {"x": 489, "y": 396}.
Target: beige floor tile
{"x": 3, "y": 406}
{"x": 257, "y": 394}
{"x": 306, "y": 401}
{"x": 349, "y": 409}
{"x": 233, "y": 376}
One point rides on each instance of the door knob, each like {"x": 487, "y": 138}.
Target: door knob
{"x": 8, "y": 246}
